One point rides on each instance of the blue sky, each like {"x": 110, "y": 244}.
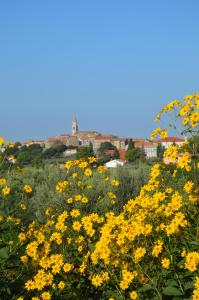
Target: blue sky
{"x": 111, "y": 63}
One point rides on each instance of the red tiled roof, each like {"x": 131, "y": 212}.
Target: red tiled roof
{"x": 84, "y": 139}
{"x": 88, "y": 132}
{"x": 170, "y": 139}
{"x": 104, "y": 137}
{"x": 140, "y": 144}
{"x": 119, "y": 139}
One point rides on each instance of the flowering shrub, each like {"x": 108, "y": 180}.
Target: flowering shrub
{"x": 149, "y": 250}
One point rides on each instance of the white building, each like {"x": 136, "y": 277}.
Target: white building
{"x": 149, "y": 148}
{"x": 114, "y": 163}
{"x": 167, "y": 142}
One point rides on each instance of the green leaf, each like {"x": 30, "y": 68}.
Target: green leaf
{"x": 155, "y": 281}
{"x": 188, "y": 285}
{"x": 171, "y": 282}
{"x": 146, "y": 287}
{"x": 172, "y": 291}
{"x": 3, "y": 253}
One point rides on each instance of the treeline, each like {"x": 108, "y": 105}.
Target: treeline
{"x": 36, "y": 154}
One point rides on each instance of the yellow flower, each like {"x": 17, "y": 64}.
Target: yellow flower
{"x": 101, "y": 169}
{"x": 1, "y": 141}
{"x": 188, "y": 97}
{"x": 67, "y": 267}
{"x": 185, "y": 121}
{"x": 165, "y": 263}
{"x": 164, "y": 133}
{"x": 61, "y": 285}
{"x": 22, "y": 206}
{"x": 75, "y": 213}
{"x": 2, "y": 181}
{"x": 133, "y": 295}
{"x": 157, "y": 249}
{"x": 139, "y": 253}
{"x": 48, "y": 211}
{"x": 24, "y": 259}
{"x": 192, "y": 261}
{"x": 29, "y": 285}
{"x": 79, "y": 249}
{"x": 6, "y": 191}
{"x": 69, "y": 200}
{"x": 84, "y": 200}
{"x": 74, "y": 175}
{"x": 184, "y": 110}
{"x": 111, "y": 195}
{"x": 22, "y": 237}
{"x": 188, "y": 186}
{"x": 88, "y": 172}
{"x": 124, "y": 285}
{"x": 77, "y": 225}
{"x": 68, "y": 164}
{"x": 183, "y": 253}
{"x": 155, "y": 133}
{"x": 46, "y": 296}
{"x": 27, "y": 188}
{"x": 78, "y": 197}
{"x": 91, "y": 159}
{"x": 115, "y": 182}
{"x": 96, "y": 280}
{"x": 61, "y": 186}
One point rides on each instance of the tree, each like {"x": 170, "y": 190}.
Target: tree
{"x": 193, "y": 146}
{"x": 126, "y": 142}
{"x": 27, "y": 155}
{"x": 131, "y": 144}
{"x": 160, "y": 150}
{"x": 106, "y": 146}
{"x": 133, "y": 154}
{"x": 116, "y": 154}
{"x": 85, "y": 152}
{"x": 56, "y": 150}
{"x": 107, "y": 151}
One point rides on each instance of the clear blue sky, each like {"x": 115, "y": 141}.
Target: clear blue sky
{"x": 111, "y": 63}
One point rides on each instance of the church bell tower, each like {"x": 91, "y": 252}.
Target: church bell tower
{"x": 74, "y": 126}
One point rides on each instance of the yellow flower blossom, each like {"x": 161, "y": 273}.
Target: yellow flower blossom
{"x": 27, "y": 188}
{"x": 165, "y": 263}
{"x": 88, "y": 172}
{"x": 6, "y": 191}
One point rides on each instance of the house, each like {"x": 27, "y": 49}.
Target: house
{"x": 65, "y": 139}
{"x": 115, "y": 163}
{"x": 97, "y": 141}
{"x": 119, "y": 143}
{"x": 69, "y": 152}
{"x": 167, "y": 142}
{"x": 84, "y": 141}
{"x": 149, "y": 148}
{"x": 34, "y": 142}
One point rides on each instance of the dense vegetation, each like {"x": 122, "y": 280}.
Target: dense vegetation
{"x": 84, "y": 232}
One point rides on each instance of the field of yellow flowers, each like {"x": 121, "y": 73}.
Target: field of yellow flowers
{"x": 86, "y": 249}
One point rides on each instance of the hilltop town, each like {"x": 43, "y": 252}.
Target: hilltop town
{"x": 79, "y": 139}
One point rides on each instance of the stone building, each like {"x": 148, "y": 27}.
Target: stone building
{"x": 67, "y": 140}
